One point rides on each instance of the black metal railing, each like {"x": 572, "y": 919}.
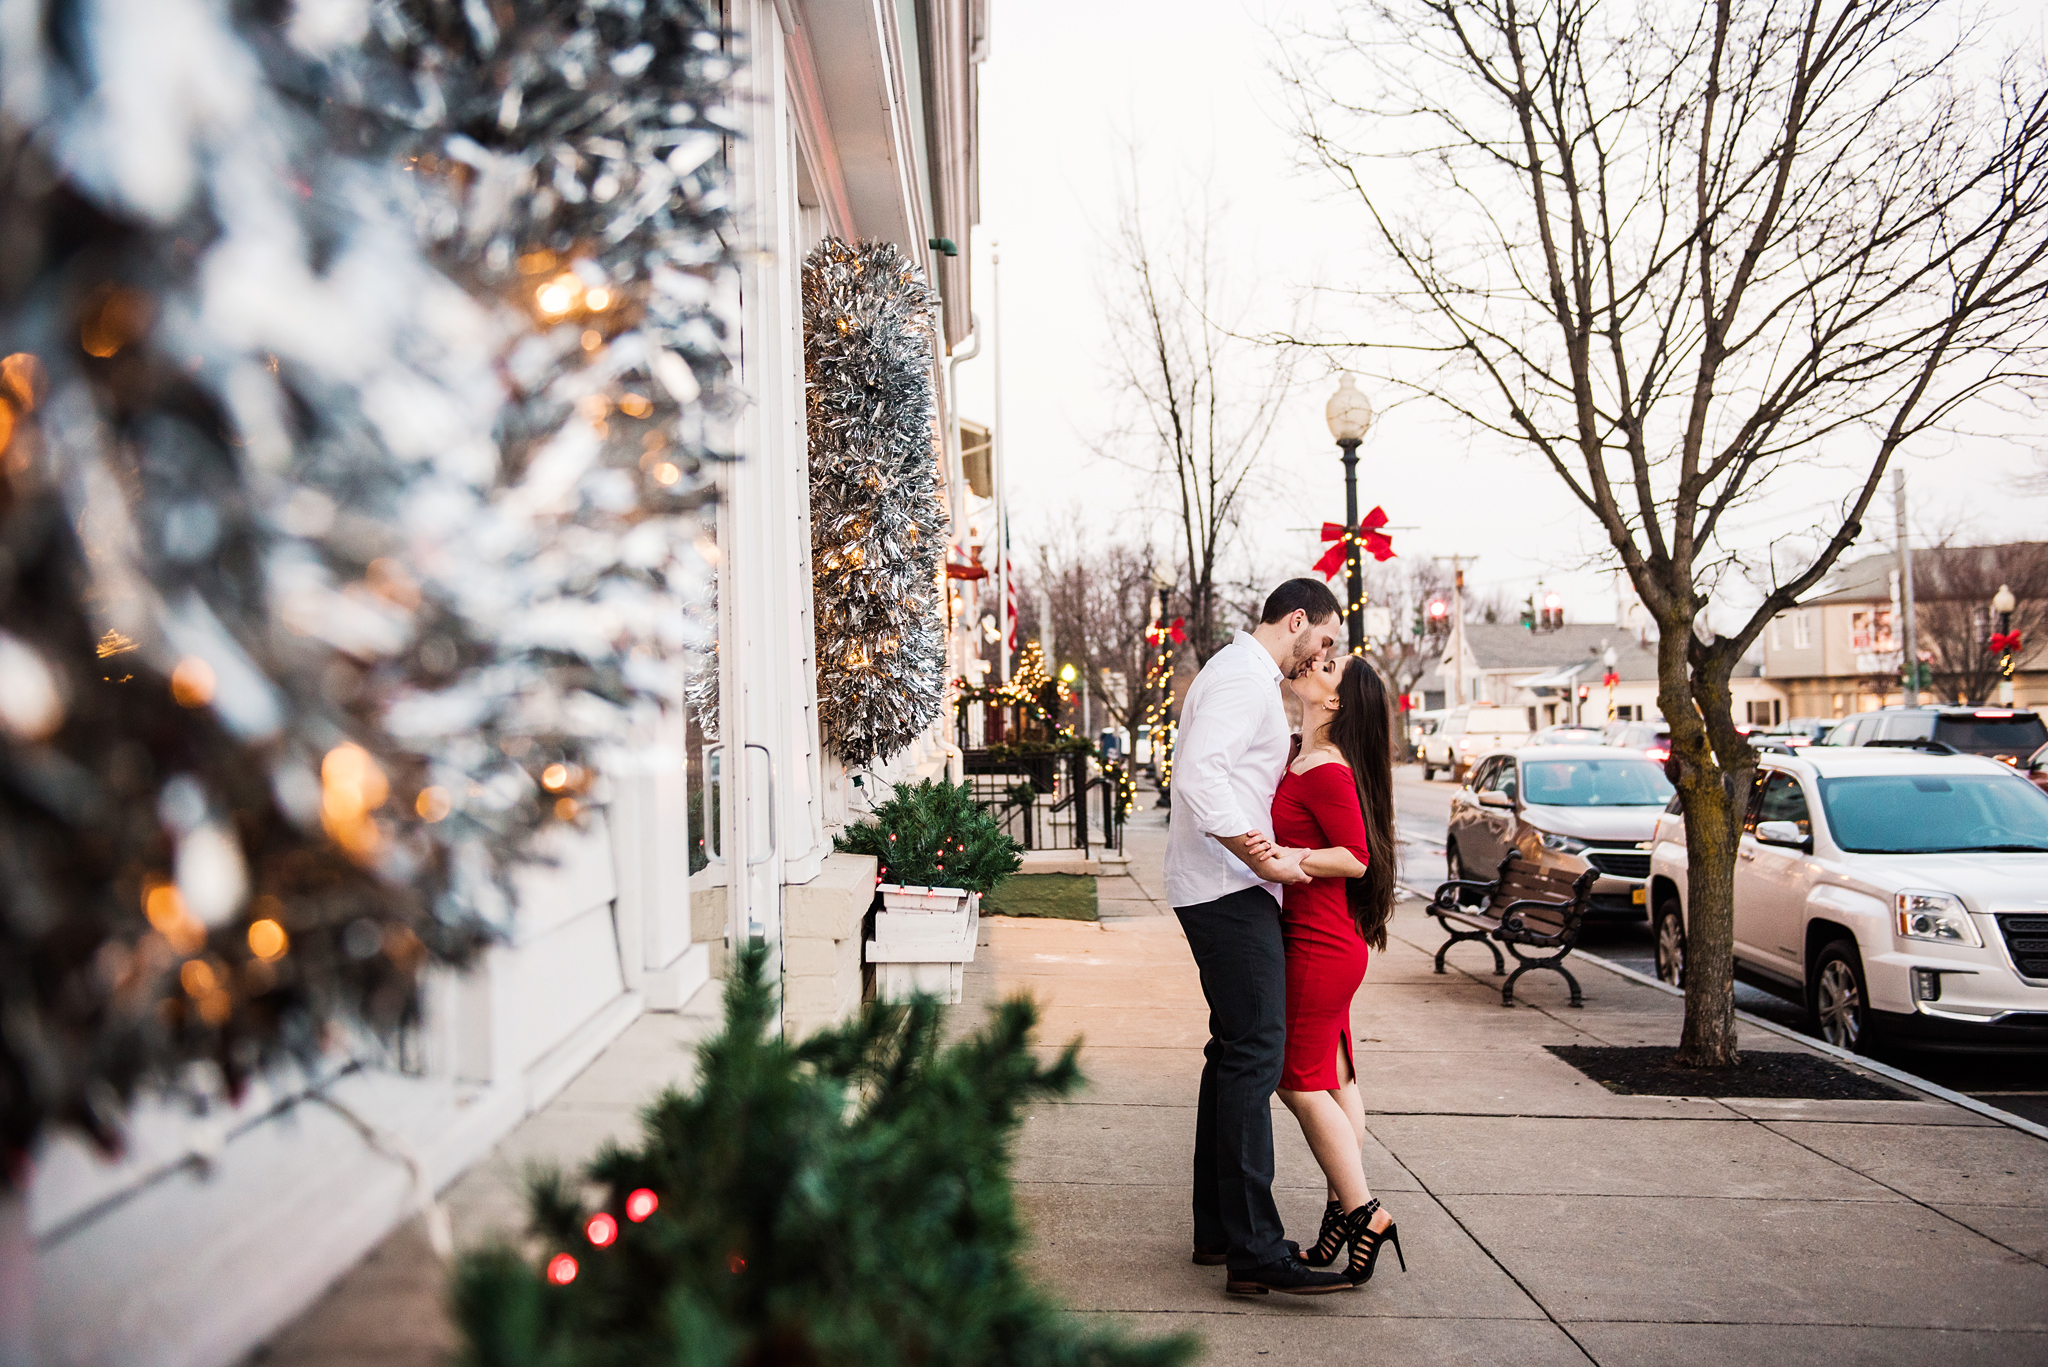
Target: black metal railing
{"x": 1049, "y": 801}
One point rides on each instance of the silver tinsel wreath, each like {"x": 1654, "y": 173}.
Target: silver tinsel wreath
{"x": 878, "y": 524}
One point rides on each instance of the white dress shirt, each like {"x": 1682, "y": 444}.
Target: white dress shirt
{"x": 1227, "y": 761}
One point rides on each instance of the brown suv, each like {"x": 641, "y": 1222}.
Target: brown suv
{"x": 2002, "y": 733}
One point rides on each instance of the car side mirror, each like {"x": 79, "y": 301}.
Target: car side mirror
{"x": 1495, "y": 800}
{"x": 1783, "y": 833}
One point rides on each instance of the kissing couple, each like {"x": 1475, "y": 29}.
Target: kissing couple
{"x": 1280, "y": 866}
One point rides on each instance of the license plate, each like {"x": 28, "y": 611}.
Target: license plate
{"x": 1637, "y": 897}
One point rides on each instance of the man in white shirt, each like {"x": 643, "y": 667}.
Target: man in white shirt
{"x": 1222, "y": 877}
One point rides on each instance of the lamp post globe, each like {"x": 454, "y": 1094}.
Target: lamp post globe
{"x": 1348, "y": 412}
{"x": 1350, "y": 416}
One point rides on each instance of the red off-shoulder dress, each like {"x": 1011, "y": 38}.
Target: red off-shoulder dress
{"x": 1326, "y": 956}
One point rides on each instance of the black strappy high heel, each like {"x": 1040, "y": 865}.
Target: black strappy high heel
{"x": 1366, "y": 1242}
{"x": 1330, "y": 1238}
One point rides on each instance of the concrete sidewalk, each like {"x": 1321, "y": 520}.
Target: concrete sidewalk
{"x": 1545, "y": 1219}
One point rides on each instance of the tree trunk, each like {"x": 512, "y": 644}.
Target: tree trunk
{"x": 1714, "y": 764}
{"x": 1711, "y": 832}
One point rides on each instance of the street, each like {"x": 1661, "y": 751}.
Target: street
{"x": 2015, "y": 1083}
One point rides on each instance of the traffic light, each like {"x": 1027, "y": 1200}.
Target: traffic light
{"x": 1438, "y": 610}
{"x": 1553, "y": 611}
{"x": 1529, "y": 613}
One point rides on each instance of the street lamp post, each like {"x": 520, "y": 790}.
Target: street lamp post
{"x": 2003, "y": 604}
{"x": 1349, "y": 416}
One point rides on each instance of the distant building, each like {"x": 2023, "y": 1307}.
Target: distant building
{"x": 1544, "y": 673}
{"x": 1842, "y": 651}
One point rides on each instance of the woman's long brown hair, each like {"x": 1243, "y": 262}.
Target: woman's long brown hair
{"x": 1363, "y": 732}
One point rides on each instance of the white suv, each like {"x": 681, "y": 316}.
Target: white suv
{"x": 1904, "y": 895}
{"x": 1467, "y": 734}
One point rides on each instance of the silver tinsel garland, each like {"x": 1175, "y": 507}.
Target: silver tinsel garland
{"x": 878, "y": 525}
{"x": 355, "y": 368}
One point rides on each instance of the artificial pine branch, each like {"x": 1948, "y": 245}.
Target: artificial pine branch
{"x": 845, "y": 1200}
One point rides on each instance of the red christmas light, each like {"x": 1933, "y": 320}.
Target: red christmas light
{"x": 561, "y": 1269}
{"x": 601, "y": 1229}
{"x": 640, "y": 1204}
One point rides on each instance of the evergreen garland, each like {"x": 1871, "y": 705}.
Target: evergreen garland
{"x": 932, "y": 834}
{"x": 845, "y": 1200}
{"x": 357, "y": 361}
{"x": 878, "y": 521}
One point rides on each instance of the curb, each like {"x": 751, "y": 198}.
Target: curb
{"x": 1918, "y": 1084}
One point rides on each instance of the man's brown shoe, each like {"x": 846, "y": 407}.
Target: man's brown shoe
{"x": 1290, "y": 1276}
{"x": 1216, "y": 1257}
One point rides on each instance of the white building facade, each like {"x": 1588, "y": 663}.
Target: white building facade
{"x": 212, "y": 1231}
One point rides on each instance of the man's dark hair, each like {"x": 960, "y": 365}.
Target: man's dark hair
{"x": 1311, "y": 596}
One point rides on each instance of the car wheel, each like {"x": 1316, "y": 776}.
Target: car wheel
{"x": 1837, "y": 998}
{"x": 1456, "y": 864}
{"x": 1428, "y": 771}
{"x": 1670, "y": 930}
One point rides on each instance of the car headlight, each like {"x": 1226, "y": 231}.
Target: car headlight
{"x": 1563, "y": 844}
{"x": 1937, "y": 916}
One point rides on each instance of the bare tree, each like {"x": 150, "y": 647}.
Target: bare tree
{"x": 1101, "y": 596}
{"x": 1954, "y": 586}
{"x": 1203, "y": 399}
{"x": 1406, "y": 588}
{"x": 1670, "y": 249}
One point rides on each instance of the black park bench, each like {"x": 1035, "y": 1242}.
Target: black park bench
{"x": 1527, "y": 906}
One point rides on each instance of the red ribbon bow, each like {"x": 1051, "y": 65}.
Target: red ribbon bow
{"x": 1157, "y": 634}
{"x": 2002, "y": 641}
{"x": 1367, "y": 534}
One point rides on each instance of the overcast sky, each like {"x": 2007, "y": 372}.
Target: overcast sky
{"x": 1069, "y": 91}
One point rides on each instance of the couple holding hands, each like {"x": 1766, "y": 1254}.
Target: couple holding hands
{"x": 1280, "y": 866}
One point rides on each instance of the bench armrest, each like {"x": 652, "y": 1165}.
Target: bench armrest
{"x": 1443, "y": 888}
{"x": 1512, "y": 925}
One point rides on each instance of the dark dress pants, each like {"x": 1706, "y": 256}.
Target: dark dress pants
{"x": 1243, "y": 961}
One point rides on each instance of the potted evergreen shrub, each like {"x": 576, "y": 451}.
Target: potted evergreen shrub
{"x": 938, "y": 852}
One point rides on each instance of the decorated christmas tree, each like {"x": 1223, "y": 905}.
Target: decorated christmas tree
{"x": 845, "y": 1200}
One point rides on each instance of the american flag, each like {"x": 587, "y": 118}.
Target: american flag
{"x": 1009, "y": 601}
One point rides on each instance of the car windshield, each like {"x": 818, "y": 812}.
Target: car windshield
{"x": 2020, "y": 735}
{"x": 1935, "y": 813}
{"x": 1595, "y": 783}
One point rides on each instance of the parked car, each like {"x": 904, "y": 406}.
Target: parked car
{"x": 1566, "y": 735}
{"x": 1801, "y": 731}
{"x": 1653, "y": 738}
{"x": 2001, "y": 732}
{"x": 1568, "y": 808}
{"x": 1901, "y": 894}
{"x": 2036, "y": 768}
{"x": 1469, "y": 731}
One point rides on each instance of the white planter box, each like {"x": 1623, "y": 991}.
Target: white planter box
{"x": 923, "y": 937}
{"x": 901, "y": 982}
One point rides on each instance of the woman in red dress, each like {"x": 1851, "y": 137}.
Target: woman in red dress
{"x": 1337, "y": 802}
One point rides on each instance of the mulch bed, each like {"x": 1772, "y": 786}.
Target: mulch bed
{"x": 1063, "y": 896}
{"x": 1649, "y": 1071}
